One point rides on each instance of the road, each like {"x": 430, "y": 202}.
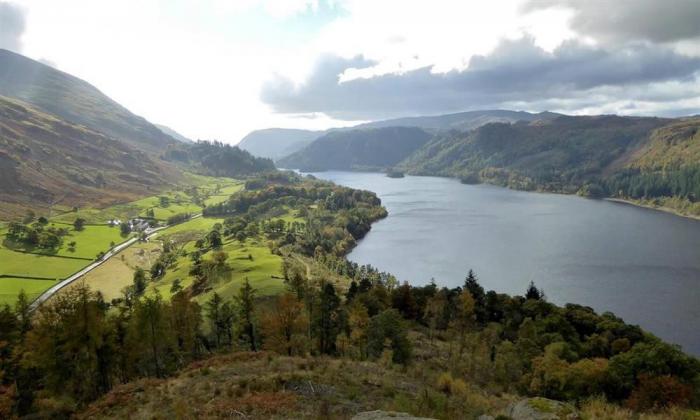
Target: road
{"x": 109, "y": 254}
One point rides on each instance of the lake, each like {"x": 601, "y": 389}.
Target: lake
{"x": 641, "y": 264}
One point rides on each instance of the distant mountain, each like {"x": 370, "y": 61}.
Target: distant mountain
{"x": 358, "y": 149}
{"x": 174, "y": 134}
{"x": 562, "y": 154}
{"x": 76, "y": 101}
{"x": 462, "y": 121}
{"x": 45, "y": 161}
{"x": 276, "y": 143}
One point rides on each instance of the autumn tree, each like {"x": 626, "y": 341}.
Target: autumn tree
{"x": 285, "y": 326}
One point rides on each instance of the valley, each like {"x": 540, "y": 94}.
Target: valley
{"x": 147, "y": 275}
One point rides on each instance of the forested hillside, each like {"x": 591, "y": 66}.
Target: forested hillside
{"x": 46, "y": 161}
{"x": 75, "y": 101}
{"x": 653, "y": 160}
{"x": 217, "y": 159}
{"x": 358, "y": 149}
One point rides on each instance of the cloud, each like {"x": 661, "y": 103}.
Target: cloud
{"x": 625, "y": 20}
{"x": 12, "y": 25}
{"x": 517, "y": 71}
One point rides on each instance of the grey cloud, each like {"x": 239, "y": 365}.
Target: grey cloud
{"x": 630, "y": 20}
{"x": 516, "y": 71}
{"x": 12, "y": 26}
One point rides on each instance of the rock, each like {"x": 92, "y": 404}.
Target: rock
{"x": 386, "y": 415}
{"x": 485, "y": 417}
{"x": 542, "y": 409}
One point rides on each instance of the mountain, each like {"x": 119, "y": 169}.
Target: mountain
{"x": 45, "y": 161}
{"x": 358, "y": 149}
{"x": 562, "y": 154}
{"x": 174, "y": 134}
{"x": 276, "y": 143}
{"x": 75, "y": 101}
{"x": 462, "y": 121}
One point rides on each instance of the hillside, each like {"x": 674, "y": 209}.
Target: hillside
{"x": 276, "y": 143}
{"x": 358, "y": 149}
{"x": 46, "y": 161}
{"x": 174, "y": 134}
{"x": 462, "y": 121}
{"x": 217, "y": 159}
{"x": 558, "y": 155}
{"x": 75, "y": 101}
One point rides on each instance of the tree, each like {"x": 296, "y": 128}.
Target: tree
{"x": 125, "y": 228}
{"x": 358, "y": 322}
{"x": 245, "y": 302}
{"x": 389, "y": 326}
{"x": 79, "y": 224}
{"x": 533, "y": 292}
{"x": 214, "y": 239}
{"x": 434, "y": 310}
{"x": 139, "y": 281}
{"x": 150, "y": 336}
{"x": 22, "y": 312}
{"x": 285, "y": 326}
{"x": 186, "y": 319}
{"x": 471, "y": 284}
{"x": 326, "y": 321}
{"x": 71, "y": 345}
{"x": 213, "y": 309}
{"x": 464, "y": 318}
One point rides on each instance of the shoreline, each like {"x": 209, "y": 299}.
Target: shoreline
{"x": 663, "y": 209}
{"x": 668, "y": 210}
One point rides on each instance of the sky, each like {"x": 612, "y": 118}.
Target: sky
{"x": 217, "y": 69}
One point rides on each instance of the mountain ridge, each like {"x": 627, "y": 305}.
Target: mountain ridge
{"x": 76, "y": 101}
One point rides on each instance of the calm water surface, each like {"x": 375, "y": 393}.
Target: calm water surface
{"x": 641, "y": 264}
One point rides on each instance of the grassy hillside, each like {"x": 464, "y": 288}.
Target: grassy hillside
{"x": 358, "y": 149}
{"x": 45, "y": 161}
{"x": 276, "y": 143}
{"x": 75, "y": 100}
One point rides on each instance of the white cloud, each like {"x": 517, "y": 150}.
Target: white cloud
{"x": 199, "y": 66}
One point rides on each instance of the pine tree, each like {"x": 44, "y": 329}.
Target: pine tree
{"x": 245, "y": 301}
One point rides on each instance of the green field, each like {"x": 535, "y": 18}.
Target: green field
{"x": 97, "y": 237}
{"x": 11, "y": 286}
{"x": 264, "y": 272}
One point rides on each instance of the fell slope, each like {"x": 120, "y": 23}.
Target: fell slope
{"x": 46, "y": 161}
{"x": 358, "y": 149}
{"x": 76, "y": 101}
{"x": 276, "y": 143}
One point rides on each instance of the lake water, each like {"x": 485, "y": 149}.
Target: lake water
{"x": 641, "y": 264}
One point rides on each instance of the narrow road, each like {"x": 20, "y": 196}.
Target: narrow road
{"x": 109, "y": 254}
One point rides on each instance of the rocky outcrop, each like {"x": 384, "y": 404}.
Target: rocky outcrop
{"x": 542, "y": 409}
{"x": 386, "y": 415}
